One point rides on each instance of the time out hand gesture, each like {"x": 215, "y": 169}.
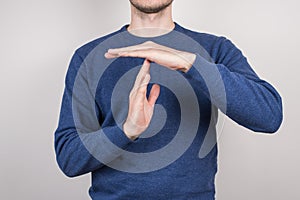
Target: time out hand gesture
{"x": 140, "y": 108}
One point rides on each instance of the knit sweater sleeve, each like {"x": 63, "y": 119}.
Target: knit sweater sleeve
{"x": 232, "y": 85}
{"x": 77, "y": 139}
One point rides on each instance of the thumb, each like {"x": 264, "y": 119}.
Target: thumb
{"x": 154, "y": 93}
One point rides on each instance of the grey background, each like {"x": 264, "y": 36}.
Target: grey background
{"x": 38, "y": 39}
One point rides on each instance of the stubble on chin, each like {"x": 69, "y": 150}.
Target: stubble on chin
{"x": 150, "y": 9}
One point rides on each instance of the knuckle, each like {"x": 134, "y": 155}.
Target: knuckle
{"x": 149, "y": 42}
{"x": 141, "y": 91}
{"x": 132, "y": 93}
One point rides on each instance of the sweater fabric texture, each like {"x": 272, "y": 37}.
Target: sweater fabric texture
{"x": 236, "y": 90}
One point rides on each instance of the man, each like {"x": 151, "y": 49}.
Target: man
{"x": 118, "y": 152}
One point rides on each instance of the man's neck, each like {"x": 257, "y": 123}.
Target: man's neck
{"x": 151, "y": 25}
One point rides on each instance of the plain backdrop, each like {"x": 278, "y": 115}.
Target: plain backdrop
{"x": 38, "y": 39}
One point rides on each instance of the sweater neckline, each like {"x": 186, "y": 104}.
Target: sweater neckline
{"x": 124, "y": 30}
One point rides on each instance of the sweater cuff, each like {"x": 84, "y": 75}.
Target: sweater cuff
{"x": 200, "y": 73}
{"x": 207, "y": 76}
{"x": 202, "y": 66}
{"x": 117, "y": 136}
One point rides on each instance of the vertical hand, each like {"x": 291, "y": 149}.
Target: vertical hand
{"x": 140, "y": 109}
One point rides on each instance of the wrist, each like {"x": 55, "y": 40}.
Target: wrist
{"x": 189, "y": 59}
{"x": 130, "y": 130}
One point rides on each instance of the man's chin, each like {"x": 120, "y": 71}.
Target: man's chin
{"x": 149, "y": 9}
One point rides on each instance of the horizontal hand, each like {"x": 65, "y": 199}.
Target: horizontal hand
{"x": 162, "y": 55}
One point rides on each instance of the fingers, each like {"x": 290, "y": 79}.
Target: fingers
{"x": 154, "y": 93}
{"x": 148, "y": 54}
{"x": 145, "y": 69}
{"x": 141, "y": 50}
{"x": 110, "y": 56}
{"x": 137, "y": 53}
{"x": 117, "y": 52}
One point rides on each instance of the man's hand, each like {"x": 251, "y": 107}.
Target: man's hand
{"x": 162, "y": 55}
{"x": 140, "y": 108}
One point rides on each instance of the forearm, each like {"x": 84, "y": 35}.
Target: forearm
{"x": 252, "y": 103}
{"x": 72, "y": 156}
{"x": 81, "y": 145}
{"x": 79, "y": 154}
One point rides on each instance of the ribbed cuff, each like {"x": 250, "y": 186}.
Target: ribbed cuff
{"x": 117, "y": 136}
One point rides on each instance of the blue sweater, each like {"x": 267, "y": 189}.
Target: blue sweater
{"x": 187, "y": 173}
